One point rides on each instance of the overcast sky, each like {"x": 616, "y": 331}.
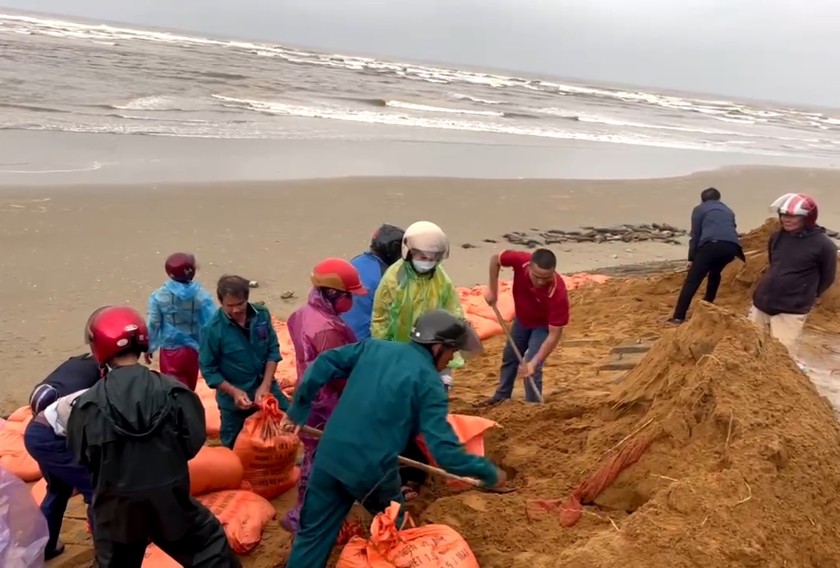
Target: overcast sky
{"x": 784, "y": 50}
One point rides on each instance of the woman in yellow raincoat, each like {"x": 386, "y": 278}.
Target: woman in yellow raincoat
{"x": 410, "y": 287}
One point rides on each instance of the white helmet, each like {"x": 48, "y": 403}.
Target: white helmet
{"x": 427, "y": 237}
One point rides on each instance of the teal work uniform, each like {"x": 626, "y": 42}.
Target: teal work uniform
{"x": 393, "y": 393}
{"x": 238, "y": 355}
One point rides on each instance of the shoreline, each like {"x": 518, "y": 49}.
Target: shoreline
{"x": 45, "y": 159}
{"x": 67, "y": 250}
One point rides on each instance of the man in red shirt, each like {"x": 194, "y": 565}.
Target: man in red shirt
{"x": 542, "y": 310}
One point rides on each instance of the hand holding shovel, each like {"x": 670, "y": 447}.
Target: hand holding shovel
{"x": 523, "y": 364}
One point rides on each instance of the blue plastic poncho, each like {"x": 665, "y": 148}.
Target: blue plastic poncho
{"x": 176, "y": 314}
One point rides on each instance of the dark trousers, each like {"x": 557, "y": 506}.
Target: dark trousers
{"x": 709, "y": 262}
{"x": 61, "y": 473}
{"x": 410, "y": 474}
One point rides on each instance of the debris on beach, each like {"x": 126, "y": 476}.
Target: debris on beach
{"x": 253, "y": 284}
{"x": 656, "y": 232}
{"x": 287, "y": 295}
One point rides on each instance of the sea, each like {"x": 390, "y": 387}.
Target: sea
{"x": 81, "y": 96}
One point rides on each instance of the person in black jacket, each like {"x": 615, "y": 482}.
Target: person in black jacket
{"x": 714, "y": 243}
{"x": 135, "y": 430}
{"x": 802, "y": 266}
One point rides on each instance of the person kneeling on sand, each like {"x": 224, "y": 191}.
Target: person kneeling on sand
{"x": 45, "y": 440}
{"x": 177, "y": 312}
{"x": 384, "y": 251}
{"x": 393, "y": 393}
{"x": 542, "y": 311}
{"x": 135, "y": 431}
{"x": 714, "y": 243}
{"x": 315, "y": 328}
{"x": 238, "y": 356}
{"x": 802, "y": 266}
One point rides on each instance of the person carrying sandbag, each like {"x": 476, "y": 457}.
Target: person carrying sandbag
{"x": 393, "y": 394}
{"x": 238, "y": 356}
{"x": 383, "y": 252}
{"x": 135, "y": 431}
{"x": 176, "y": 313}
{"x": 314, "y": 328}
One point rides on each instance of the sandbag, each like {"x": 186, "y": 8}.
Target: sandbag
{"x": 429, "y": 546}
{"x": 13, "y": 454}
{"x": 212, "y": 416}
{"x": 243, "y": 515}
{"x": 268, "y": 455}
{"x": 470, "y": 431}
{"x": 286, "y": 374}
{"x": 22, "y": 414}
{"x": 215, "y": 469}
{"x": 23, "y": 529}
{"x": 39, "y": 491}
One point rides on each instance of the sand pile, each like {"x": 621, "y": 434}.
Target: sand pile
{"x": 743, "y": 469}
{"x": 631, "y": 309}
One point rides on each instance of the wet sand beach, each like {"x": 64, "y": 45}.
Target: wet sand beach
{"x": 67, "y": 250}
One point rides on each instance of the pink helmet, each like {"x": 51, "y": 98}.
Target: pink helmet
{"x": 797, "y": 205}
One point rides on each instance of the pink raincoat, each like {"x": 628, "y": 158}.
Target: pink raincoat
{"x": 315, "y": 328}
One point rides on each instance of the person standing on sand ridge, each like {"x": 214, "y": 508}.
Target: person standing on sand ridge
{"x": 802, "y": 266}
{"x": 177, "y": 311}
{"x": 714, "y": 244}
{"x": 542, "y": 311}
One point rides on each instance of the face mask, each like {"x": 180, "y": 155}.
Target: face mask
{"x": 343, "y": 304}
{"x": 423, "y": 266}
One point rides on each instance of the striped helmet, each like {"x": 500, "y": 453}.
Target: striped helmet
{"x": 797, "y": 205}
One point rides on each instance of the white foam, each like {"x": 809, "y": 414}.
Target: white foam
{"x": 429, "y": 108}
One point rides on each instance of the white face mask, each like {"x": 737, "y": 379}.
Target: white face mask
{"x": 423, "y": 266}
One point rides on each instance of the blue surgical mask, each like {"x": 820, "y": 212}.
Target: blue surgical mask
{"x": 423, "y": 266}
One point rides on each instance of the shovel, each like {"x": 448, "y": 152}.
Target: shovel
{"x": 519, "y": 356}
{"x": 431, "y": 470}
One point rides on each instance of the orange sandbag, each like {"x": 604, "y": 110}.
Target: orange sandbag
{"x": 212, "y": 416}
{"x": 473, "y": 302}
{"x": 268, "y": 455}
{"x": 13, "y": 454}
{"x": 22, "y": 414}
{"x": 470, "y": 431}
{"x": 429, "y": 546}
{"x": 39, "y": 491}
{"x": 215, "y": 469}
{"x": 286, "y": 374}
{"x": 483, "y": 327}
{"x": 243, "y": 514}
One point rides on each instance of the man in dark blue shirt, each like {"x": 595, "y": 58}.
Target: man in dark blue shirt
{"x": 714, "y": 244}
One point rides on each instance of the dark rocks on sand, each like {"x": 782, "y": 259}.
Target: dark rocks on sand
{"x": 658, "y": 232}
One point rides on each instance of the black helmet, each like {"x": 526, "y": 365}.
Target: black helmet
{"x": 386, "y": 243}
{"x": 441, "y": 327}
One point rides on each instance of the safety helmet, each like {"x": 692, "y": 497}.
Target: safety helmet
{"x": 427, "y": 237}
{"x": 386, "y": 243}
{"x": 441, "y": 327}
{"x": 90, "y": 320}
{"x": 180, "y": 267}
{"x": 117, "y": 329}
{"x": 797, "y": 205}
{"x": 337, "y": 274}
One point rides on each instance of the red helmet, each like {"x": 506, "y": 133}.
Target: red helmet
{"x": 116, "y": 329}
{"x": 181, "y": 267}
{"x": 337, "y": 274}
{"x": 797, "y": 205}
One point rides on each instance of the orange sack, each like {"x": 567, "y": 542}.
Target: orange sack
{"x": 215, "y": 469}
{"x": 22, "y": 414}
{"x": 13, "y": 454}
{"x": 429, "y": 546}
{"x": 268, "y": 455}
{"x": 243, "y": 514}
{"x": 470, "y": 431}
{"x": 212, "y": 416}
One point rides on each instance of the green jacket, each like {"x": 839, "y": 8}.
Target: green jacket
{"x": 227, "y": 354}
{"x": 393, "y": 393}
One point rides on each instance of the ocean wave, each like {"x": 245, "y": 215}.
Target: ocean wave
{"x": 461, "y": 97}
{"x": 156, "y": 103}
{"x": 430, "y": 108}
{"x": 400, "y": 119}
